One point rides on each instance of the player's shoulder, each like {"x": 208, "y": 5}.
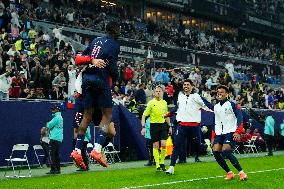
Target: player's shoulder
{"x": 234, "y": 104}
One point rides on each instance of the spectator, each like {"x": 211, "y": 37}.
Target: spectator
{"x": 140, "y": 95}
{"x": 36, "y": 72}
{"x": 15, "y": 91}
{"x": 168, "y": 93}
{"x": 32, "y": 94}
{"x": 271, "y": 99}
{"x": 129, "y": 73}
{"x": 72, "y": 79}
{"x": 5, "y": 84}
{"x": 59, "y": 80}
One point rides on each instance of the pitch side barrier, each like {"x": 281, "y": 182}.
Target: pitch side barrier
{"x": 22, "y": 119}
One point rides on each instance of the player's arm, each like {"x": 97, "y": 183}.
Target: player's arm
{"x": 172, "y": 112}
{"x": 203, "y": 103}
{"x": 86, "y": 60}
{"x": 168, "y": 120}
{"x": 238, "y": 113}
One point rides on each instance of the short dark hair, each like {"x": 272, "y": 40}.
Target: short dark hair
{"x": 189, "y": 81}
{"x": 223, "y": 87}
{"x": 112, "y": 26}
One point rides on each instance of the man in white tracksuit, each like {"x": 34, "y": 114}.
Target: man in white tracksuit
{"x": 188, "y": 116}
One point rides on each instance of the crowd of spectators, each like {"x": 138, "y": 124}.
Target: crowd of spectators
{"x": 37, "y": 65}
{"x": 170, "y": 33}
{"x": 268, "y": 8}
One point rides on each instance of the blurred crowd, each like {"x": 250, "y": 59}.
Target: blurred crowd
{"x": 38, "y": 65}
{"x": 269, "y": 8}
{"x": 170, "y": 33}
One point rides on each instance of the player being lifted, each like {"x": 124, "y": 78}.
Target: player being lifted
{"x": 96, "y": 89}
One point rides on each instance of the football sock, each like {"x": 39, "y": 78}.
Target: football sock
{"x": 163, "y": 156}
{"x": 156, "y": 157}
{"x": 79, "y": 142}
{"x": 228, "y": 154}
{"x": 221, "y": 161}
{"x": 107, "y": 140}
{"x": 98, "y": 148}
{"x": 101, "y": 138}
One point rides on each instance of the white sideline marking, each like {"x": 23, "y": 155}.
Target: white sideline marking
{"x": 196, "y": 179}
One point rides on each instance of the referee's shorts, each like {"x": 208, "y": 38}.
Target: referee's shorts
{"x": 158, "y": 131}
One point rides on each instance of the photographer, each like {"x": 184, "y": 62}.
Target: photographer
{"x": 5, "y": 84}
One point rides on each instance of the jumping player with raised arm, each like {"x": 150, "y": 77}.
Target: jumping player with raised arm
{"x": 96, "y": 89}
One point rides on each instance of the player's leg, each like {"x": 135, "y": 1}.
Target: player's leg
{"x": 227, "y": 153}
{"x": 84, "y": 155}
{"x": 87, "y": 118}
{"x": 104, "y": 130}
{"x": 179, "y": 139}
{"x": 217, "y": 152}
{"x": 111, "y": 134}
{"x": 76, "y": 154}
{"x": 195, "y": 136}
{"x": 149, "y": 146}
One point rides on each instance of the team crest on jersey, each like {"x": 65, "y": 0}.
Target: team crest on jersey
{"x": 228, "y": 111}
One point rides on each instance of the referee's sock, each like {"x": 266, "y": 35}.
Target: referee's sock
{"x": 156, "y": 157}
{"x": 221, "y": 161}
{"x": 163, "y": 155}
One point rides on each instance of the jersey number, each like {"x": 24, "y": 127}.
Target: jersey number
{"x": 95, "y": 52}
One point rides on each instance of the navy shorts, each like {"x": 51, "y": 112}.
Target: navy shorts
{"x": 79, "y": 109}
{"x": 96, "y": 92}
{"x": 225, "y": 139}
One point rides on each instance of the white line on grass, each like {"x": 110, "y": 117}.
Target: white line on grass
{"x": 196, "y": 179}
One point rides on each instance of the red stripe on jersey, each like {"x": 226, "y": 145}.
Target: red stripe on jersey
{"x": 189, "y": 124}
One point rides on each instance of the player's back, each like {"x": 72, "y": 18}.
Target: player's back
{"x": 107, "y": 49}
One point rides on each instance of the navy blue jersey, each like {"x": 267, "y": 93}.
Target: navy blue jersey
{"x": 105, "y": 48}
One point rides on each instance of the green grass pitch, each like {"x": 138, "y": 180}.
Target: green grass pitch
{"x": 263, "y": 172}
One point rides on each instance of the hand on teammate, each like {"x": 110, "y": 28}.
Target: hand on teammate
{"x": 236, "y": 137}
{"x": 99, "y": 63}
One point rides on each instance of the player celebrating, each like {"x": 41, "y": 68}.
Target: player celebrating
{"x": 228, "y": 126}
{"x": 188, "y": 116}
{"x": 96, "y": 90}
